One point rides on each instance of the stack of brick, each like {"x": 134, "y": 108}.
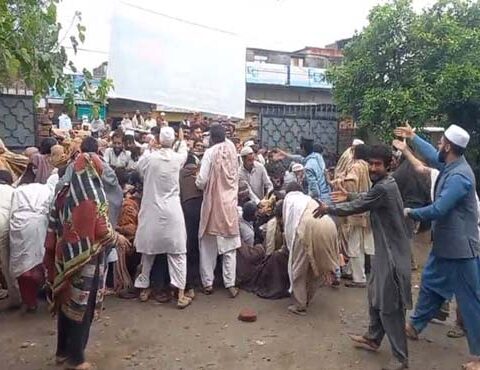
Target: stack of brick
{"x": 44, "y": 126}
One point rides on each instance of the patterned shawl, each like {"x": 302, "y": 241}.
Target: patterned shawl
{"x": 78, "y": 227}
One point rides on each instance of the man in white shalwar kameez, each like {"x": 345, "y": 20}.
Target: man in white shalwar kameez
{"x": 219, "y": 228}
{"x": 161, "y": 225}
{"x": 6, "y": 193}
{"x": 28, "y": 229}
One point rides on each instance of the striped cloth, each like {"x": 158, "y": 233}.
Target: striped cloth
{"x": 79, "y": 234}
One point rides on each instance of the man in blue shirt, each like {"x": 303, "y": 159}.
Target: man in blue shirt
{"x": 314, "y": 166}
{"x": 314, "y": 171}
{"x": 453, "y": 267}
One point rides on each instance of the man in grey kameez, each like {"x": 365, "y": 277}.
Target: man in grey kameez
{"x": 389, "y": 294}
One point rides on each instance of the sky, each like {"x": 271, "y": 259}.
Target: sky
{"x": 271, "y": 24}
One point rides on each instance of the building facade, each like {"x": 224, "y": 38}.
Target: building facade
{"x": 289, "y": 97}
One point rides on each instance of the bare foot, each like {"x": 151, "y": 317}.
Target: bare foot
{"x": 456, "y": 332}
{"x": 60, "y": 360}
{"x": 296, "y": 310}
{"x": 145, "y": 295}
{"x": 208, "y": 290}
{"x": 472, "y": 365}
{"x": 360, "y": 341}
{"x": 190, "y": 293}
{"x": 233, "y": 291}
{"x": 183, "y": 302}
{"x": 84, "y": 366}
{"x": 411, "y": 332}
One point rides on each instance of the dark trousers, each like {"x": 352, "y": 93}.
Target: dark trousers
{"x": 191, "y": 211}
{"x": 159, "y": 276}
{"x": 72, "y": 336}
{"x": 393, "y": 325}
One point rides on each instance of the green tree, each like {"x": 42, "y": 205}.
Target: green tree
{"x": 418, "y": 67}
{"x": 31, "y": 51}
{"x": 421, "y": 67}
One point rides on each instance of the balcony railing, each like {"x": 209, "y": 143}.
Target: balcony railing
{"x": 278, "y": 74}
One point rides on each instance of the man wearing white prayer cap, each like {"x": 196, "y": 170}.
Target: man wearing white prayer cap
{"x": 453, "y": 267}
{"x": 161, "y": 225}
{"x": 249, "y": 143}
{"x": 357, "y": 142}
{"x": 299, "y": 172}
{"x": 254, "y": 174}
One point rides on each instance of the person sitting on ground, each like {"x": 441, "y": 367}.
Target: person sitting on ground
{"x": 273, "y": 280}
{"x": 249, "y": 256}
{"x": 274, "y": 239}
{"x": 247, "y": 216}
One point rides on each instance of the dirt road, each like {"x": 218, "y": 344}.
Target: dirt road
{"x": 207, "y": 335}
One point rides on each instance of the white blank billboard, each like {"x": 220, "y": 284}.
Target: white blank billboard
{"x": 162, "y": 60}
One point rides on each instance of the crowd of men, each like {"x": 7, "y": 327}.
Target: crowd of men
{"x": 146, "y": 211}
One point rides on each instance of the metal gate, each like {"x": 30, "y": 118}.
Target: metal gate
{"x": 283, "y": 126}
{"x": 17, "y": 121}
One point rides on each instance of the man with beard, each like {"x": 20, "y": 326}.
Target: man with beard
{"x": 359, "y": 234}
{"x": 389, "y": 294}
{"x": 255, "y": 174}
{"x": 453, "y": 267}
{"x": 161, "y": 214}
{"x": 117, "y": 156}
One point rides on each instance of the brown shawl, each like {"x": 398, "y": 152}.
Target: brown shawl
{"x": 219, "y": 214}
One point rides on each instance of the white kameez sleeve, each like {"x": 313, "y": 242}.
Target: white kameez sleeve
{"x": 107, "y": 156}
{"x": 183, "y": 151}
{"x": 204, "y": 172}
{"x": 142, "y": 165}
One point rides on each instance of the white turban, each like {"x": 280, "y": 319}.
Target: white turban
{"x": 167, "y": 136}
{"x": 357, "y": 142}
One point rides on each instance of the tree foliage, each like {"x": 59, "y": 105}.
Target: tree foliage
{"x": 419, "y": 67}
{"x": 31, "y": 51}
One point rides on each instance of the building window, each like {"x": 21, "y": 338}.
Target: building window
{"x": 260, "y": 58}
{"x": 296, "y": 62}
